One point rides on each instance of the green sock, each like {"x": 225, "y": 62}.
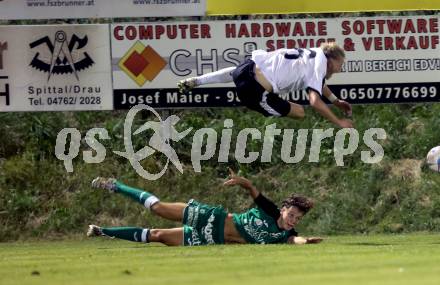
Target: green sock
{"x": 127, "y": 233}
{"x": 143, "y": 197}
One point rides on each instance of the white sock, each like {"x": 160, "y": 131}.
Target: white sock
{"x": 150, "y": 201}
{"x": 144, "y": 235}
{"x": 220, "y": 76}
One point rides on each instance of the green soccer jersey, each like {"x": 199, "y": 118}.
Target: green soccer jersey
{"x": 255, "y": 226}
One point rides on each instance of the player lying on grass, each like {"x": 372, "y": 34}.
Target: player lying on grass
{"x": 205, "y": 224}
{"x": 260, "y": 79}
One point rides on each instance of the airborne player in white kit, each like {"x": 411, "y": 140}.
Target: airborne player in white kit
{"x": 259, "y": 81}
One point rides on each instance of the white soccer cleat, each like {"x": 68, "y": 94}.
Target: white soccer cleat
{"x": 186, "y": 85}
{"x": 94, "y": 231}
{"x": 104, "y": 183}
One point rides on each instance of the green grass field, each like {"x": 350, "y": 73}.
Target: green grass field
{"x": 384, "y": 259}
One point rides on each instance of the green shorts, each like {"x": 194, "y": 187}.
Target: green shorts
{"x": 203, "y": 224}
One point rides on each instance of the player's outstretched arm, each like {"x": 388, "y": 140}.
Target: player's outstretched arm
{"x": 341, "y": 104}
{"x": 324, "y": 110}
{"x": 242, "y": 182}
{"x": 304, "y": 240}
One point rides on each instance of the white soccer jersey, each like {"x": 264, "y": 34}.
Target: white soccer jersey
{"x": 292, "y": 69}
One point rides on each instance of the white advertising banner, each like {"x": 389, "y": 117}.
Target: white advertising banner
{"x": 55, "y": 68}
{"x": 50, "y": 9}
{"x": 388, "y": 59}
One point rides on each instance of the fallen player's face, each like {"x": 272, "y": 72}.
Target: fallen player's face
{"x": 334, "y": 66}
{"x": 290, "y": 217}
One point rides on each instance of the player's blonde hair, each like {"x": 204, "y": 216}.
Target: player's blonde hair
{"x": 333, "y": 50}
